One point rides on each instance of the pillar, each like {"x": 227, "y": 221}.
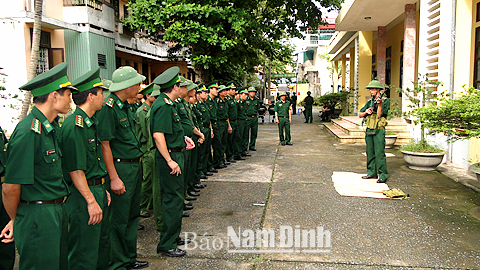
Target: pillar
{"x": 381, "y": 53}
{"x": 344, "y": 71}
{"x": 364, "y": 65}
{"x": 335, "y": 76}
{"x": 351, "y": 62}
{"x": 409, "y": 41}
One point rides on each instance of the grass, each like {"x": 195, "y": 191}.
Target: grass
{"x": 421, "y": 147}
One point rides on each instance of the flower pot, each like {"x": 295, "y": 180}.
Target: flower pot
{"x": 475, "y": 169}
{"x": 390, "y": 140}
{"x": 423, "y": 161}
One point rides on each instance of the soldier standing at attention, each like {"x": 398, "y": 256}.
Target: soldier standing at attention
{"x": 252, "y": 104}
{"x": 243, "y": 122}
{"x": 34, "y": 189}
{"x": 223, "y": 124}
{"x": 84, "y": 172}
{"x": 283, "y": 117}
{"x": 122, "y": 155}
{"x": 146, "y": 143}
{"x": 375, "y": 112}
{"x": 216, "y": 140}
{"x": 294, "y": 103}
{"x": 7, "y": 260}
{"x": 308, "y": 107}
{"x": 202, "y": 95}
{"x": 233, "y": 138}
{"x": 170, "y": 141}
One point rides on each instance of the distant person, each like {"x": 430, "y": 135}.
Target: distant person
{"x": 283, "y": 117}
{"x": 308, "y": 107}
{"x": 294, "y": 103}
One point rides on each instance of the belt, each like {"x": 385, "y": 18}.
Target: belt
{"x": 59, "y": 200}
{"x": 222, "y": 120}
{"x": 176, "y": 150}
{"x": 127, "y": 160}
{"x": 94, "y": 182}
{"x": 253, "y": 115}
{"x": 283, "y": 116}
{"x": 153, "y": 147}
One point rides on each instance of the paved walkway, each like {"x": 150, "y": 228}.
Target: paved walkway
{"x": 438, "y": 227}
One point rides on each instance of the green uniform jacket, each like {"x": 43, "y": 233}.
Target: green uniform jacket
{"x": 282, "y": 108}
{"x": 198, "y": 116}
{"x": 33, "y": 159}
{"x": 186, "y": 121}
{"x": 232, "y": 108}
{"x": 385, "y": 107}
{"x": 81, "y": 147}
{"x": 212, "y": 108}
{"x": 165, "y": 119}
{"x": 241, "y": 110}
{"x": 118, "y": 126}
{"x": 222, "y": 109}
{"x": 2, "y": 152}
{"x": 308, "y": 102}
{"x": 141, "y": 127}
{"x": 252, "y": 106}
{"x": 203, "y": 109}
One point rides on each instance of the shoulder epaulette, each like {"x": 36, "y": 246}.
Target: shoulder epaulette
{"x": 167, "y": 101}
{"x": 145, "y": 108}
{"x": 110, "y": 102}
{"x": 79, "y": 121}
{"x": 36, "y": 126}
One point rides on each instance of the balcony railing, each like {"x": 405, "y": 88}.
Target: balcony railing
{"x": 90, "y": 3}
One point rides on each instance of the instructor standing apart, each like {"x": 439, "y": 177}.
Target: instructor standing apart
{"x": 375, "y": 113}
{"x": 308, "y": 107}
{"x": 283, "y": 117}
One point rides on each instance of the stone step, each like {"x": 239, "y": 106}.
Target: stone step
{"x": 348, "y": 136}
{"x": 353, "y": 130}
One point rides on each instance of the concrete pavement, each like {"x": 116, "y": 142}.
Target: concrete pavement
{"x": 438, "y": 227}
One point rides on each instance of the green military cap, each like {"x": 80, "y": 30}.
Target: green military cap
{"x": 230, "y": 85}
{"x": 125, "y": 77}
{"x": 106, "y": 83}
{"x": 201, "y": 88}
{"x": 155, "y": 92}
{"x": 221, "y": 88}
{"x": 244, "y": 90}
{"x": 149, "y": 89}
{"x": 168, "y": 78}
{"x": 213, "y": 84}
{"x": 191, "y": 86}
{"x": 88, "y": 81}
{"x": 252, "y": 89}
{"x": 49, "y": 81}
{"x": 375, "y": 84}
{"x": 308, "y": 92}
{"x": 282, "y": 93}
{"x": 183, "y": 81}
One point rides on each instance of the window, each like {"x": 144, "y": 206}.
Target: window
{"x": 135, "y": 66}
{"x": 476, "y": 63}
{"x": 118, "y": 62}
{"x": 478, "y": 13}
{"x": 102, "y": 60}
{"x": 388, "y": 52}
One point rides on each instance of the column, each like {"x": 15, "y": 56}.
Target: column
{"x": 409, "y": 40}
{"x": 344, "y": 71}
{"x": 335, "y": 76}
{"x": 381, "y": 53}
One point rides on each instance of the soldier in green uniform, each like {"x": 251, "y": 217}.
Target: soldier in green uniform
{"x": 242, "y": 122}
{"x": 283, "y": 117}
{"x": 223, "y": 125}
{"x": 7, "y": 259}
{"x": 34, "y": 189}
{"x": 375, "y": 113}
{"x": 202, "y": 107}
{"x": 233, "y": 139}
{"x": 170, "y": 141}
{"x": 252, "y": 104}
{"x": 294, "y": 103}
{"x": 84, "y": 172}
{"x": 147, "y": 147}
{"x": 216, "y": 139}
{"x": 308, "y": 107}
{"x": 122, "y": 155}
{"x": 198, "y": 116}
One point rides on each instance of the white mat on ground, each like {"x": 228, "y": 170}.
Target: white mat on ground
{"x": 352, "y": 184}
{"x": 386, "y": 154}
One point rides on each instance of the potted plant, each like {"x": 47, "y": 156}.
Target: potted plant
{"x": 394, "y": 111}
{"x": 458, "y": 118}
{"x": 419, "y": 154}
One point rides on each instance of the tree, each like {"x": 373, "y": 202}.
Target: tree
{"x": 32, "y": 71}
{"x": 220, "y": 33}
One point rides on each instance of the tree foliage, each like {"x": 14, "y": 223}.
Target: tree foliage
{"x": 218, "y": 33}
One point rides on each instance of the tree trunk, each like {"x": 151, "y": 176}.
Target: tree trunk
{"x": 32, "y": 72}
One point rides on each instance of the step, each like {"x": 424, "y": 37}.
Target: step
{"x": 348, "y": 136}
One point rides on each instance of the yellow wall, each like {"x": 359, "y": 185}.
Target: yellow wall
{"x": 301, "y": 89}
{"x": 464, "y": 53}
{"x": 364, "y": 66}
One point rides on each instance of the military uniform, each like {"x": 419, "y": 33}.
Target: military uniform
{"x": 294, "y": 103}
{"x": 200, "y": 115}
{"x": 308, "y": 108}
{"x": 205, "y": 151}
{"x": 242, "y": 125}
{"x": 216, "y": 143}
{"x": 233, "y": 138}
{"x": 222, "y": 125}
{"x": 7, "y": 259}
{"x": 166, "y": 119}
{"x": 252, "y": 106}
{"x": 187, "y": 126}
{"x": 282, "y": 109}
{"x": 375, "y": 137}
{"x": 34, "y": 162}
{"x": 117, "y": 126}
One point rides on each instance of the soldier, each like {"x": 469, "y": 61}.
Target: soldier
{"x": 283, "y": 117}
{"x": 375, "y": 112}
{"x": 234, "y": 140}
{"x": 252, "y": 104}
{"x": 216, "y": 140}
{"x": 84, "y": 172}
{"x": 122, "y": 156}
{"x": 224, "y": 127}
{"x": 200, "y": 146}
{"x": 308, "y": 107}
{"x": 34, "y": 190}
{"x": 207, "y": 130}
{"x": 146, "y": 145}
{"x": 243, "y": 122}
{"x": 7, "y": 259}
{"x": 294, "y": 103}
{"x": 170, "y": 141}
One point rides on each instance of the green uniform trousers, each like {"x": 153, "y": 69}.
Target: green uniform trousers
{"x": 124, "y": 215}
{"x": 223, "y": 129}
{"x": 308, "y": 114}
{"x": 88, "y": 245}
{"x": 157, "y": 197}
{"x": 205, "y": 151}
{"x": 217, "y": 142}
{"x": 41, "y": 236}
{"x": 173, "y": 196}
{"x": 7, "y": 251}
{"x": 148, "y": 166}
{"x": 233, "y": 141}
{"x": 243, "y": 134}
{"x": 284, "y": 127}
{"x": 376, "y": 159}
{"x": 192, "y": 166}
{"x": 186, "y": 171}
{"x": 215, "y": 145}
{"x": 252, "y": 128}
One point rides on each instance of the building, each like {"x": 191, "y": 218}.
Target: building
{"x": 396, "y": 40}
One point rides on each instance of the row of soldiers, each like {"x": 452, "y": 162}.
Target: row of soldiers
{"x": 99, "y": 157}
